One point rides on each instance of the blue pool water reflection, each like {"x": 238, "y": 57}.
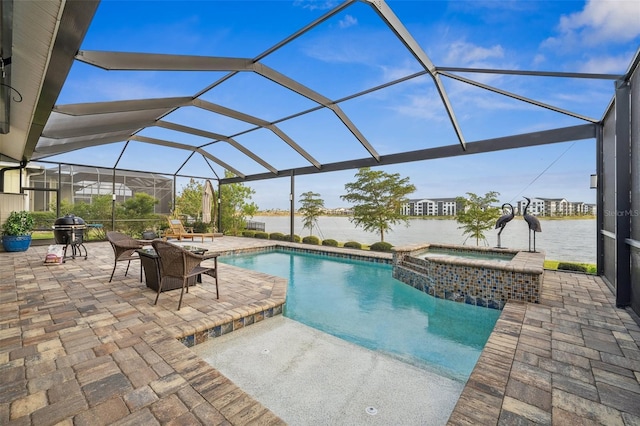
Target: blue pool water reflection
{"x": 360, "y": 302}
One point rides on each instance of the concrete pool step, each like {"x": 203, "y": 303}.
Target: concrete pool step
{"x": 307, "y": 377}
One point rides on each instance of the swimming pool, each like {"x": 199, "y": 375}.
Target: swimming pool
{"x": 360, "y": 302}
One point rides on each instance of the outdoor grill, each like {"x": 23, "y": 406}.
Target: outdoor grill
{"x": 69, "y": 230}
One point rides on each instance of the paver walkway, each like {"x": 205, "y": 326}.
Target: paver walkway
{"x": 75, "y": 349}
{"x": 573, "y": 359}
{"x": 78, "y": 350}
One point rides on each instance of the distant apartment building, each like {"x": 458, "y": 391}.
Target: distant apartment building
{"x": 556, "y": 207}
{"x": 346, "y": 211}
{"x": 430, "y": 207}
{"x": 538, "y": 207}
{"x": 588, "y": 209}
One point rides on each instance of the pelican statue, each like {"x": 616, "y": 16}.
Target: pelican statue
{"x": 503, "y": 220}
{"x": 534, "y": 224}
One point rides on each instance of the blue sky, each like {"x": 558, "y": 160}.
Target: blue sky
{"x": 354, "y": 51}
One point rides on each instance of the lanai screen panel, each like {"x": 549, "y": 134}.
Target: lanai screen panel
{"x": 609, "y": 197}
{"x": 635, "y": 192}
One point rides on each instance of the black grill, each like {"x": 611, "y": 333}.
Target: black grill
{"x": 69, "y": 230}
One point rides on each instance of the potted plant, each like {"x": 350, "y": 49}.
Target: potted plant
{"x": 16, "y": 231}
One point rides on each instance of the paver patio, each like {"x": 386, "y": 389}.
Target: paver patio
{"x": 75, "y": 349}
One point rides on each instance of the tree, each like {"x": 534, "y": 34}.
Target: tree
{"x": 98, "y": 210}
{"x": 477, "y": 215}
{"x": 189, "y": 202}
{"x": 311, "y": 208}
{"x": 139, "y": 206}
{"x": 378, "y": 198}
{"x": 235, "y": 207}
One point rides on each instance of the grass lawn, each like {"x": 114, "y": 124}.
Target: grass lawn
{"x": 553, "y": 265}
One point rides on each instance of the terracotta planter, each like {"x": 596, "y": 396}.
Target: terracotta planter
{"x": 16, "y": 242}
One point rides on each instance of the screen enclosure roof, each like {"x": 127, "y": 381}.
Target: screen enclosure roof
{"x": 299, "y": 91}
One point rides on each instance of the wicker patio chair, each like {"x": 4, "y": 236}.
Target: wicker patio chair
{"x": 124, "y": 249}
{"x": 180, "y": 263}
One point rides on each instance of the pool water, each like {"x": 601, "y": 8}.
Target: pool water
{"x": 360, "y": 302}
{"x": 470, "y": 254}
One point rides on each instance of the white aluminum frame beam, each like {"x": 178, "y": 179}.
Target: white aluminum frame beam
{"x": 186, "y": 147}
{"x": 565, "y": 134}
{"x": 518, "y": 97}
{"x": 216, "y": 137}
{"x": 219, "y": 109}
{"x": 127, "y": 61}
{"x": 110, "y": 107}
{"x": 392, "y": 21}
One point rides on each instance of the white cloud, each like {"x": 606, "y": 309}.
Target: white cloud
{"x": 467, "y": 54}
{"x": 604, "y": 64}
{"x": 348, "y": 21}
{"x": 424, "y": 106}
{"x": 601, "y": 21}
{"x": 316, "y": 4}
{"x": 539, "y": 59}
{"x": 400, "y": 70}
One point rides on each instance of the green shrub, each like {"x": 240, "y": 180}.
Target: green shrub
{"x": 381, "y": 246}
{"x": 201, "y": 227}
{"x": 247, "y": 233}
{"x": 43, "y": 219}
{"x": 330, "y": 243}
{"x": 296, "y": 238}
{"x": 278, "y": 236}
{"x": 353, "y": 244}
{"x": 262, "y": 235}
{"x": 311, "y": 239}
{"x": 18, "y": 223}
{"x": 567, "y": 266}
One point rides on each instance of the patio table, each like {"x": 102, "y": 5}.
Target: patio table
{"x": 151, "y": 265}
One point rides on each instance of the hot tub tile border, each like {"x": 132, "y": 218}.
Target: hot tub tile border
{"x": 472, "y": 282}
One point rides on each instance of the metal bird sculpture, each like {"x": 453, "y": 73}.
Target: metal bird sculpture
{"x": 503, "y": 220}
{"x": 534, "y": 224}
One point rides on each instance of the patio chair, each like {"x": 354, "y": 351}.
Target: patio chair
{"x": 178, "y": 262}
{"x": 179, "y": 231}
{"x": 124, "y": 249}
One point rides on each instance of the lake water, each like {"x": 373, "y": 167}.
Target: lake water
{"x": 569, "y": 240}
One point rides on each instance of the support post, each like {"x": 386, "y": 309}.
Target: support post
{"x": 292, "y": 206}
{"x": 599, "y": 200}
{"x": 59, "y": 193}
{"x": 219, "y": 207}
{"x": 623, "y": 192}
{"x": 113, "y": 200}
{"x": 173, "y": 197}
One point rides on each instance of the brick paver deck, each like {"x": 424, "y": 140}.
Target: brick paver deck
{"x": 76, "y": 349}
{"x": 573, "y": 359}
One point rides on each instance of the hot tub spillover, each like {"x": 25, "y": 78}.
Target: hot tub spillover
{"x": 479, "y": 276}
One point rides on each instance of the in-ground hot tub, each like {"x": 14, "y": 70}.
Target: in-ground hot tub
{"x": 481, "y": 276}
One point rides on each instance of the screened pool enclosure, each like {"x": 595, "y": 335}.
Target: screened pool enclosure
{"x": 147, "y": 117}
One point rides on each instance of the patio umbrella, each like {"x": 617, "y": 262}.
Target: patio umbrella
{"x": 207, "y": 202}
